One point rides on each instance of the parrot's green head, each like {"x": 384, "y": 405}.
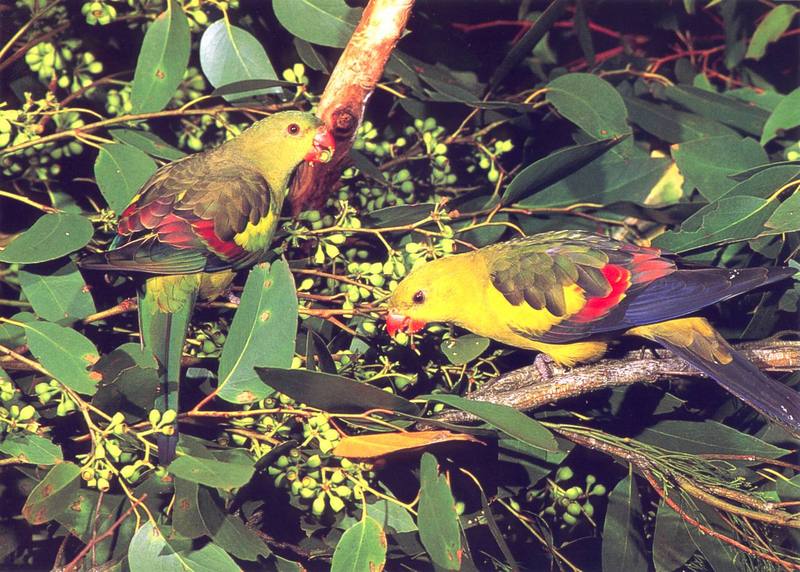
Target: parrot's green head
{"x": 280, "y": 142}
{"x": 433, "y": 292}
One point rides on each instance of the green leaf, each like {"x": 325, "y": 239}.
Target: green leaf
{"x": 361, "y": 547}
{"x": 310, "y": 56}
{"x": 186, "y": 516}
{"x": 321, "y": 22}
{"x": 788, "y": 489}
{"x": 708, "y": 437}
{"x": 227, "y": 531}
{"x": 121, "y": 170}
{"x": 623, "y": 545}
{"x": 89, "y": 516}
{"x": 774, "y": 24}
{"x": 210, "y": 472}
{"x": 56, "y": 290}
{"x": 51, "y": 236}
{"x": 591, "y": 103}
{"x": 786, "y": 217}
{"x": 707, "y": 164}
{"x": 464, "y": 349}
{"x": 389, "y": 515}
{"x": 31, "y": 448}
{"x": 765, "y": 183}
{"x": 53, "y": 494}
{"x": 262, "y": 332}
{"x": 162, "y": 60}
{"x": 437, "y": 518}
{"x": 606, "y": 180}
{"x": 229, "y": 54}
{"x": 148, "y": 142}
{"x": 727, "y": 220}
{"x": 786, "y": 116}
{"x": 726, "y": 110}
{"x": 508, "y": 420}
{"x": 554, "y": 167}
{"x": 66, "y": 354}
{"x": 130, "y": 381}
{"x": 332, "y": 393}
{"x": 672, "y": 543}
{"x": 149, "y": 551}
{"x": 671, "y": 125}
{"x": 528, "y": 41}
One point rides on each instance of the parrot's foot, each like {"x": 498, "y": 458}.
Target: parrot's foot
{"x": 233, "y": 298}
{"x": 544, "y": 365}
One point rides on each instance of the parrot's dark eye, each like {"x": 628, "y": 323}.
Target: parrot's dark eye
{"x": 418, "y": 297}
{"x": 293, "y": 129}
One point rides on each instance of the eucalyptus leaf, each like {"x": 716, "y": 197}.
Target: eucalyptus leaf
{"x": 361, "y": 547}
{"x": 56, "y": 290}
{"x": 66, "y": 354}
{"x": 437, "y": 518}
{"x": 322, "y": 22}
{"x": 121, "y": 170}
{"x": 52, "y": 496}
{"x": 785, "y": 116}
{"x": 51, "y": 236}
{"x": 623, "y": 543}
{"x": 162, "y": 60}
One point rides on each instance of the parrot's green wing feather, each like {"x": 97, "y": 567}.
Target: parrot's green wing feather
{"x": 536, "y": 269}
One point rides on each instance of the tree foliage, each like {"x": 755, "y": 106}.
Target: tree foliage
{"x": 669, "y": 123}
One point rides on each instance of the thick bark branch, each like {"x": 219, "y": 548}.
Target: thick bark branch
{"x": 525, "y": 390}
{"x": 345, "y": 97}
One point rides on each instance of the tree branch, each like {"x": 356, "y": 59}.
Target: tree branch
{"x": 525, "y": 389}
{"x": 345, "y": 97}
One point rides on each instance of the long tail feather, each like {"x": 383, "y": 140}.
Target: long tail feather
{"x": 164, "y": 334}
{"x": 694, "y": 340}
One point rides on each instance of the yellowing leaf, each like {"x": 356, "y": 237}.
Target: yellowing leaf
{"x": 383, "y": 444}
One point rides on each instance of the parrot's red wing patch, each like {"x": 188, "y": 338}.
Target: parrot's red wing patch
{"x": 648, "y": 266}
{"x": 205, "y": 229}
{"x": 619, "y": 279}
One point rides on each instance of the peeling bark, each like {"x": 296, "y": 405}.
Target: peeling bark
{"x": 352, "y": 82}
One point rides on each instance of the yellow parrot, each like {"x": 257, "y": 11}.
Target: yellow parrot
{"x": 568, "y": 293}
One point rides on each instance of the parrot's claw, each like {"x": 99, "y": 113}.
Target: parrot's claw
{"x": 544, "y": 365}
{"x": 233, "y": 298}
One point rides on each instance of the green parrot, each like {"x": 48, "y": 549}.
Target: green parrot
{"x": 197, "y": 221}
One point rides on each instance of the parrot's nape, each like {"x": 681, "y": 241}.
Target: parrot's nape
{"x": 197, "y": 221}
{"x": 568, "y": 293}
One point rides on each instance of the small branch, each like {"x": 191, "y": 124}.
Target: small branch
{"x": 73, "y": 565}
{"x": 351, "y": 84}
{"x": 525, "y": 390}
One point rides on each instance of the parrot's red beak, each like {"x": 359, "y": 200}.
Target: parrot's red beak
{"x": 399, "y": 323}
{"x": 324, "y": 146}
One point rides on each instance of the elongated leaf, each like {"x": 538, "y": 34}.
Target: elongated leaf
{"x": 671, "y": 125}
{"x": 332, "y": 393}
{"x": 591, "y": 103}
{"x": 774, "y": 24}
{"x": 56, "y": 291}
{"x": 310, "y": 56}
{"x": 528, "y": 41}
{"x": 727, "y": 220}
{"x": 707, "y": 437}
{"x": 186, "y": 516}
{"x": 606, "y": 180}
{"x": 322, "y": 22}
{"x": 31, "y": 448}
{"x": 210, "y": 472}
{"x": 228, "y": 531}
{"x": 786, "y": 217}
{"x": 506, "y": 419}
{"x": 53, "y": 494}
{"x": 361, "y": 547}
{"x": 66, "y": 354}
{"x": 437, "y": 519}
{"x": 262, "y": 332}
{"x": 672, "y": 543}
{"x": 51, "y": 236}
{"x": 251, "y": 85}
{"x": 708, "y": 164}
{"x": 162, "y": 60}
{"x": 148, "y": 142}
{"x": 786, "y": 116}
{"x": 229, "y": 54}
{"x": 149, "y": 551}
{"x": 121, "y": 170}
{"x": 383, "y": 444}
{"x": 389, "y": 515}
{"x": 623, "y": 545}
{"x": 464, "y": 349}
{"x": 721, "y": 108}
{"x": 747, "y": 173}
{"x": 554, "y": 167}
